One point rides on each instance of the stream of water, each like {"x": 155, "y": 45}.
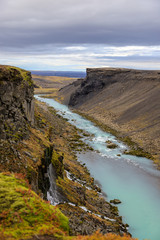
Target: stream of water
{"x": 53, "y": 195}
{"x": 133, "y": 180}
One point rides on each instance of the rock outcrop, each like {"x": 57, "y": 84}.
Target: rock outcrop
{"x": 125, "y": 100}
{"x": 98, "y": 78}
{"x": 16, "y": 101}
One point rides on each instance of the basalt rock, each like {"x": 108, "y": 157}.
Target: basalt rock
{"x": 115, "y": 201}
{"x": 99, "y": 78}
{"x": 16, "y": 102}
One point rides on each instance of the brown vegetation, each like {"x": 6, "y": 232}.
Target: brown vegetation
{"x": 49, "y": 84}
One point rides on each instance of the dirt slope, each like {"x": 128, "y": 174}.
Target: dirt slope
{"x": 123, "y": 99}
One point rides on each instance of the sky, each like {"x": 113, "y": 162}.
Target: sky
{"x": 78, "y": 34}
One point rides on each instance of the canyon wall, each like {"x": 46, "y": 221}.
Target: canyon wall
{"x": 16, "y": 101}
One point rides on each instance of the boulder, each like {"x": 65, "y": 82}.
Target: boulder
{"x": 115, "y": 201}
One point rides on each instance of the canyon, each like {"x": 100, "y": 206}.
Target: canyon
{"x": 125, "y": 102}
{"x": 34, "y": 137}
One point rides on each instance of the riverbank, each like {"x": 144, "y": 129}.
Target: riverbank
{"x": 86, "y": 209}
{"x": 133, "y": 180}
{"x": 124, "y": 101}
{"x": 134, "y": 148}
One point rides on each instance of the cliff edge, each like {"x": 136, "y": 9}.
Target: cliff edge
{"x": 16, "y": 101}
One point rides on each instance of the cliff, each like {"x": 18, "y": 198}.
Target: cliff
{"x": 99, "y": 79}
{"x": 16, "y": 101}
{"x": 125, "y": 100}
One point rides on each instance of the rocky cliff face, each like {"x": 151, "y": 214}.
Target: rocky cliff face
{"x": 16, "y": 101}
{"x": 100, "y": 78}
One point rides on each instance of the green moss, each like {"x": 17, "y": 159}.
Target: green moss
{"x": 135, "y": 149}
{"x": 11, "y": 131}
{"x": 26, "y": 76}
{"x": 17, "y": 73}
{"x": 57, "y": 161}
{"x": 24, "y": 214}
{"x": 70, "y": 190}
{"x": 76, "y": 144}
{"x": 139, "y": 153}
{"x": 40, "y": 121}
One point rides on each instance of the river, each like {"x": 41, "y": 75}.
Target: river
{"x": 133, "y": 180}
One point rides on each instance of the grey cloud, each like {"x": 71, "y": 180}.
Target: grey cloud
{"x": 118, "y": 22}
{"x": 62, "y": 57}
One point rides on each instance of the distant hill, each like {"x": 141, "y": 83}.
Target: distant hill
{"x": 70, "y": 74}
{"x": 126, "y": 100}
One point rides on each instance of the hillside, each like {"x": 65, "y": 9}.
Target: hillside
{"x": 125, "y": 101}
{"x": 33, "y": 138}
{"x": 49, "y": 84}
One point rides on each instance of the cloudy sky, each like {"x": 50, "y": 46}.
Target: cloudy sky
{"x": 76, "y": 34}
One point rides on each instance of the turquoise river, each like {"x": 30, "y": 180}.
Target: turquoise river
{"x": 133, "y": 180}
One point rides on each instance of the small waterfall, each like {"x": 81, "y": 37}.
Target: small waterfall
{"x": 53, "y": 194}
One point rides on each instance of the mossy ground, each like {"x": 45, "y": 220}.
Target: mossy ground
{"x": 15, "y": 73}
{"x": 23, "y": 213}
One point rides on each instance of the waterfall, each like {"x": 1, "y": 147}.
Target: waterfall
{"x": 53, "y": 194}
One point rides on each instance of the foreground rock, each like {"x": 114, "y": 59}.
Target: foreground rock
{"x": 111, "y": 145}
{"x": 115, "y": 201}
